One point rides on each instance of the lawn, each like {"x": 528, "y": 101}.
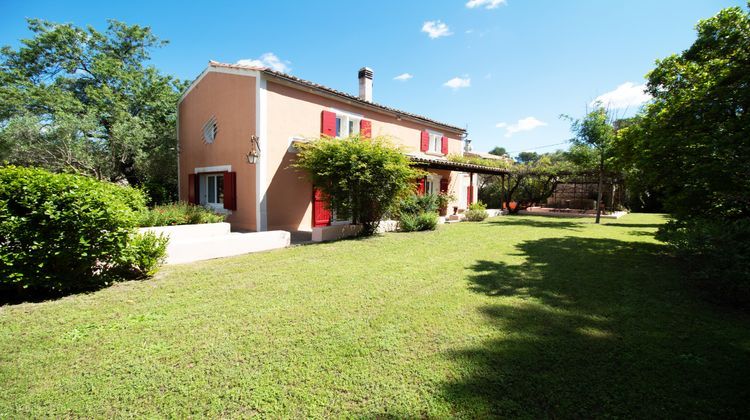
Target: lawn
{"x": 516, "y": 316}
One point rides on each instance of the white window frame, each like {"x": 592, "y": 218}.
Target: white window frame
{"x": 433, "y": 181}
{"x": 346, "y": 118}
{"x": 435, "y": 144}
{"x": 205, "y": 179}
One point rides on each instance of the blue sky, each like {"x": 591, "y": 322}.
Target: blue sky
{"x": 506, "y": 69}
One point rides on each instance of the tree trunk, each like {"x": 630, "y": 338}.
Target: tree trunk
{"x": 599, "y": 190}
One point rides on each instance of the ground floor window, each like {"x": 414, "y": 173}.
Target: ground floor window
{"x": 212, "y": 189}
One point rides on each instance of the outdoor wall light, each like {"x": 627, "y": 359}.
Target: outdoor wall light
{"x": 254, "y": 154}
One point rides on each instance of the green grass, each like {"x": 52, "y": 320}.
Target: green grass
{"x": 515, "y": 316}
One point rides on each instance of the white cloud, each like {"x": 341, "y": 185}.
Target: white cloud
{"x": 487, "y": 4}
{"x": 403, "y": 77}
{"x": 524, "y": 124}
{"x": 626, "y": 95}
{"x": 436, "y": 29}
{"x": 458, "y": 82}
{"x": 269, "y": 60}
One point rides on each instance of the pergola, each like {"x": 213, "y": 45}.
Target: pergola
{"x": 457, "y": 166}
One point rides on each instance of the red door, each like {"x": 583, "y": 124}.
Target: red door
{"x": 321, "y": 213}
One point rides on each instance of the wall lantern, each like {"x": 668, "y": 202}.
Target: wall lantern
{"x": 254, "y": 154}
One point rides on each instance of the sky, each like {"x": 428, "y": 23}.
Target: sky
{"x": 504, "y": 69}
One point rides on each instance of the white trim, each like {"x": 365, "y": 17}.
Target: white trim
{"x": 261, "y": 125}
{"x": 178, "y": 153}
{"x": 294, "y": 139}
{"x": 220, "y": 168}
{"x": 346, "y": 113}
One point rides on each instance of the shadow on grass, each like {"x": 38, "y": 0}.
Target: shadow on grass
{"x": 599, "y": 328}
{"x": 536, "y": 223}
{"x": 634, "y": 225}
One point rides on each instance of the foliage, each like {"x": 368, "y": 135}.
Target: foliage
{"x": 477, "y": 212}
{"x": 692, "y": 141}
{"x": 418, "y": 203}
{"x": 498, "y": 151}
{"x": 717, "y": 253}
{"x": 444, "y": 198}
{"x": 418, "y": 212}
{"x": 84, "y": 101}
{"x": 527, "y": 157}
{"x": 144, "y": 254}
{"x": 61, "y": 233}
{"x": 597, "y": 131}
{"x": 493, "y": 163}
{"x": 412, "y": 222}
{"x": 363, "y": 178}
{"x": 691, "y": 146}
{"x": 181, "y": 213}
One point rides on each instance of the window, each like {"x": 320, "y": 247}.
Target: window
{"x": 432, "y": 184}
{"x": 347, "y": 125}
{"x": 212, "y": 190}
{"x": 210, "y": 129}
{"x": 436, "y": 142}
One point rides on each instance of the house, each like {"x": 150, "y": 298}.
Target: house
{"x": 231, "y": 110}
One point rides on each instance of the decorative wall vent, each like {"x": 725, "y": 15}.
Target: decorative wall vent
{"x": 210, "y": 130}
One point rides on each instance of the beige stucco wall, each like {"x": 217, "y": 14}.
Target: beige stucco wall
{"x": 296, "y": 113}
{"x": 231, "y": 99}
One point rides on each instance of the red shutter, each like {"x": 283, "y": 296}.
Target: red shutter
{"x": 424, "y": 145}
{"x": 328, "y": 123}
{"x": 365, "y": 128}
{"x": 444, "y": 185}
{"x": 321, "y": 212}
{"x": 192, "y": 189}
{"x": 420, "y": 186}
{"x": 230, "y": 190}
{"x": 444, "y": 145}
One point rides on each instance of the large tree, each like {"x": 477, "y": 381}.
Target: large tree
{"x": 694, "y": 139}
{"x": 80, "y": 100}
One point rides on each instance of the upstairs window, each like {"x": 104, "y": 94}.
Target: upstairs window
{"x": 347, "y": 125}
{"x": 210, "y": 130}
{"x": 435, "y": 142}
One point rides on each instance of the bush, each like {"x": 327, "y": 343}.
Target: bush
{"x": 415, "y": 204}
{"x": 178, "y": 214}
{"x": 418, "y": 222}
{"x": 61, "y": 233}
{"x": 143, "y": 255}
{"x": 716, "y": 253}
{"x": 478, "y": 206}
{"x": 476, "y": 215}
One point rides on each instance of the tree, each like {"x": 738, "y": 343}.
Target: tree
{"x": 527, "y": 157}
{"x": 84, "y": 101}
{"x": 596, "y": 130}
{"x": 363, "y": 178}
{"x": 498, "y": 151}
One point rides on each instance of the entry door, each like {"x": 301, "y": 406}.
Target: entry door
{"x": 321, "y": 213}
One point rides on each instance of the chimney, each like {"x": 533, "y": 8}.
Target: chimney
{"x": 365, "y": 84}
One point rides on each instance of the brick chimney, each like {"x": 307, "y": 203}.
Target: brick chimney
{"x": 365, "y": 84}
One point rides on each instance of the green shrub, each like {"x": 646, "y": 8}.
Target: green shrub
{"x": 476, "y": 215}
{"x": 61, "y": 233}
{"x": 178, "y": 214}
{"x": 716, "y": 254}
{"x": 418, "y": 222}
{"x": 477, "y": 212}
{"x": 143, "y": 255}
{"x": 477, "y": 206}
{"x": 415, "y": 204}
{"x": 443, "y": 199}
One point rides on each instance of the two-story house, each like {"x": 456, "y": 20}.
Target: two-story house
{"x": 231, "y": 110}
